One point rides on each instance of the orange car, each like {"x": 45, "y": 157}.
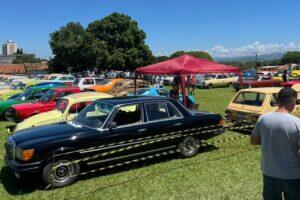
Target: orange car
{"x": 105, "y": 86}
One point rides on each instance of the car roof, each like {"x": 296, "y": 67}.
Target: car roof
{"x": 82, "y": 96}
{"x": 65, "y": 88}
{"x": 267, "y": 90}
{"x": 133, "y": 99}
{"x": 44, "y": 87}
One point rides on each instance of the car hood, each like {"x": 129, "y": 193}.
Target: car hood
{"x": 3, "y": 91}
{"x": 6, "y": 104}
{"x": 41, "y": 134}
{"x": 31, "y": 105}
{"x": 49, "y": 117}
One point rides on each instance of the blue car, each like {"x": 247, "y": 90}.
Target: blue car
{"x": 153, "y": 91}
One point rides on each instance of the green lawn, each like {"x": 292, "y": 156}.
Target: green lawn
{"x": 229, "y": 170}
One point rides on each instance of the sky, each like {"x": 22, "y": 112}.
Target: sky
{"x": 224, "y": 28}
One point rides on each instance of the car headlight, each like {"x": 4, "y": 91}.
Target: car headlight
{"x": 24, "y": 155}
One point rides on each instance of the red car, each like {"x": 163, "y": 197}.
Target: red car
{"x": 290, "y": 83}
{"x": 45, "y": 103}
{"x": 262, "y": 81}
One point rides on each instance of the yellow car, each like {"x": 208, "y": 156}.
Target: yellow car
{"x": 66, "y": 109}
{"x": 218, "y": 80}
{"x": 249, "y": 104}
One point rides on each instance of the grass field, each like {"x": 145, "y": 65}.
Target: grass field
{"x": 229, "y": 170}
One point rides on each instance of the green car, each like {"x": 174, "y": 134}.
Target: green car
{"x": 30, "y": 95}
{"x": 17, "y": 88}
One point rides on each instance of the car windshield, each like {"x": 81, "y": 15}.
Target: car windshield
{"x": 62, "y": 104}
{"x": 94, "y": 115}
{"x": 25, "y": 95}
{"x": 18, "y": 85}
{"x": 76, "y": 82}
{"x": 47, "y": 96}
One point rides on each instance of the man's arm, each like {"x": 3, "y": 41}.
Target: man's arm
{"x": 254, "y": 139}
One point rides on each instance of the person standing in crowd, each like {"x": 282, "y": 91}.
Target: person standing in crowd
{"x": 156, "y": 81}
{"x": 278, "y": 133}
{"x": 174, "y": 92}
{"x": 161, "y": 81}
{"x": 193, "y": 84}
{"x": 285, "y": 76}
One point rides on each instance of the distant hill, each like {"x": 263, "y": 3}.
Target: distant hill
{"x": 265, "y": 57}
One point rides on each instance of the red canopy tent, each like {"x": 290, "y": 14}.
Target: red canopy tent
{"x": 186, "y": 65}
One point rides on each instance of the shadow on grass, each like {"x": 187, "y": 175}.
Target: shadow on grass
{"x": 15, "y": 186}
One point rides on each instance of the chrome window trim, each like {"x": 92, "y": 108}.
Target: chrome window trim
{"x": 161, "y": 120}
{"x": 129, "y": 125}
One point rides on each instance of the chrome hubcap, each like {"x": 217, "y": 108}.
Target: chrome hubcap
{"x": 63, "y": 170}
{"x": 189, "y": 146}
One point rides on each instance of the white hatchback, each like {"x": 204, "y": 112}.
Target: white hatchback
{"x": 84, "y": 83}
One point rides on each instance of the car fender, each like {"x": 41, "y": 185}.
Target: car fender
{"x": 60, "y": 150}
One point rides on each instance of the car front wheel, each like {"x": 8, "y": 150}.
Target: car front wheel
{"x": 210, "y": 86}
{"x": 9, "y": 115}
{"x": 188, "y": 147}
{"x": 60, "y": 173}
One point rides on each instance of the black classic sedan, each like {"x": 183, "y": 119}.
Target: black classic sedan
{"x": 106, "y": 133}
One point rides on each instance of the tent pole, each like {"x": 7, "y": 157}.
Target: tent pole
{"x": 182, "y": 82}
{"x": 135, "y": 76}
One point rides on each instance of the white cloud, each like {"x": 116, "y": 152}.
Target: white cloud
{"x": 250, "y": 49}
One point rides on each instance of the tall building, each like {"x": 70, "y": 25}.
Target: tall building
{"x": 9, "y": 48}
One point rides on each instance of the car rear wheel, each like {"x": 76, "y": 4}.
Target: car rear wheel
{"x": 230, "y": 85}
{"x": 60, "y": 173}
{"x": 189, "y": 147}
{"x": 9, "y": 115}
{"x": 210, "y": 86}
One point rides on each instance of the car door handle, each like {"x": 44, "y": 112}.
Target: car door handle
{"x": 177, "y": 124}
{"x": 142, "y": 130}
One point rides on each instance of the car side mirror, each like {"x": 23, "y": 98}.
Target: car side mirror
{"x": 112, "y": 125}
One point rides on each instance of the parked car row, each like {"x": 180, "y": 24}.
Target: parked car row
{"x": 57, "y": 119}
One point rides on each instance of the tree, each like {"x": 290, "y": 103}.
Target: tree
{"x": 26, "y": 58}
{"x": 199, "y": 54}
{"x": 124, "y": 40}
{"x": 73, "y": 48}
{"x": 291, "y": 57}
{"x": 161, "y": 58}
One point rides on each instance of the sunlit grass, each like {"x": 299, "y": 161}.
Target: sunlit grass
{"x": 228, "y": 171}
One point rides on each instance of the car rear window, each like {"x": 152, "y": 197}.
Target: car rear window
{"x": 250, "y": 98}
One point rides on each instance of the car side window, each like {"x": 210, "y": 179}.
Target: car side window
{"x": 77, "y": 107}
{"x": 99, "y": 80}
{"x": 88, "y": 81}
{"x": 128, "y": 115}
{"x": 62, "y": 78}
{"x": 273, "y": 101}
{"x": 172, "y": 112}
{"x": 156, "y": 111}
{"x": 250, "y": 98}
{"x": 37, "y": 94}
